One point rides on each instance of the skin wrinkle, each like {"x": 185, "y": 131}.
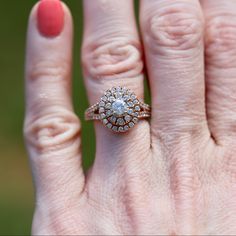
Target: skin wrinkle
{"x": 181, "y": 36}
{"x": 49, "y": 69}
{"x": 130, "y": 62}
{"x": 111, "y": 32}
{"x": 50, "y": 132}
{"x": 173, "y": 28}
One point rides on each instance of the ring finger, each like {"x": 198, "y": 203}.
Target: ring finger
{"x": 111, "y": 57}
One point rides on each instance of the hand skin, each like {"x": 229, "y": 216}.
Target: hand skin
{"x": 172, "y": 175}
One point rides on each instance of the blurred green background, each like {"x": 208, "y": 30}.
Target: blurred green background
{"x": 16, "y": 190}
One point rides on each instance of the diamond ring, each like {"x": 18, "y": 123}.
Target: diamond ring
{"x": 119, "y": 109}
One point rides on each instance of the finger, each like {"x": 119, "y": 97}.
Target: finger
{"x": 112, "y": 57}
{"x": 172, "y": 35}
{"x": 52, "y": 130}
{"x": 220, "y": 55}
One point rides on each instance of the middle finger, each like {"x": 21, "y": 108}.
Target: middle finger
{"x": 173, "y": 39}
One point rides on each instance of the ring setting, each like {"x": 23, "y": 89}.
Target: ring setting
{"x": 119, "y": 109}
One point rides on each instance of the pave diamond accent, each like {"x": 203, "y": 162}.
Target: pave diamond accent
{"x": 120, "y": 121}
{"x": 127, "y": 118}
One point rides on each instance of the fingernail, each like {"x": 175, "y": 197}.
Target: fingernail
{"x": 50, "y": 18}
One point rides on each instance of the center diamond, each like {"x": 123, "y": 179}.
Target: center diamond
{"x": 119, "y": 107}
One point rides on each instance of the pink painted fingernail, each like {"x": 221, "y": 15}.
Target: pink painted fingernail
{"x": 50, "y": 18}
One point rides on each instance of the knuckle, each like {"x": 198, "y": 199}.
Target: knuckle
{"x": 220, "y": 40}
{"x": 52, "y": 132}
{"x": 173, "y": 29}
{"x": 120, "y": 58}
{"x": 49, "y": 69}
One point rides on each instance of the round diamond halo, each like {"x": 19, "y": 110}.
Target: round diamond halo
{"x": 117, "y": 110}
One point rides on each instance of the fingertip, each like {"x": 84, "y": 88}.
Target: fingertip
{"x": 48, "y": 57}
{"x": 50, "y": 18}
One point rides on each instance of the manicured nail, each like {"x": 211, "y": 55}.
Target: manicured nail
{"x": 50, "y": 18}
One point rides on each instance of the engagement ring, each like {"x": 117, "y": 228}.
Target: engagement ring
{"x": 119, "y": 109}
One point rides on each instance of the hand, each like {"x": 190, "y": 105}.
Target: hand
{"x": 174, "y": 175}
